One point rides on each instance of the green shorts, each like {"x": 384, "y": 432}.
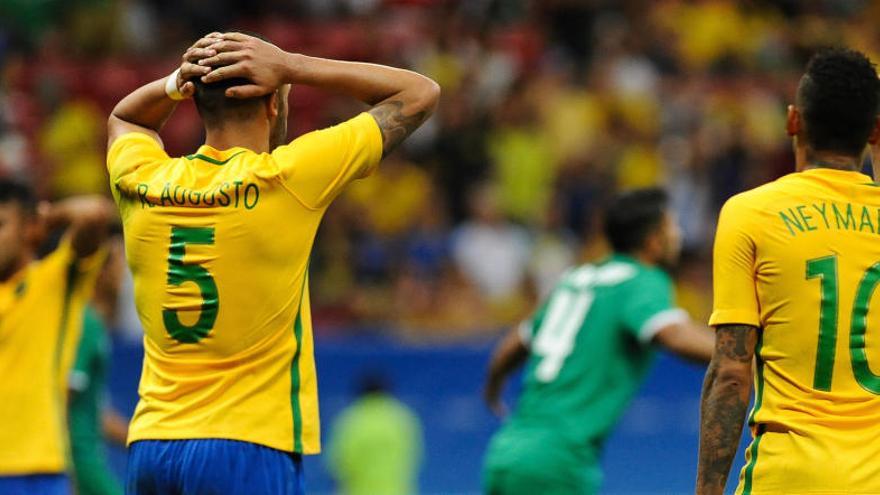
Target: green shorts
{"x": 518, "y": 466}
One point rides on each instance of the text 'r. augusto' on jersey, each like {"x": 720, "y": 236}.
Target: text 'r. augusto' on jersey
{"x": 235, "y": 194}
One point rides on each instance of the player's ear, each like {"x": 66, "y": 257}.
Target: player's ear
{"x": 874, "y": 138}
{"x": 271, "y": 104}
{"x": 793, "y": 121}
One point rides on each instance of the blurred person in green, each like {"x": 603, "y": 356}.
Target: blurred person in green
{"x": 91, "y": 419}
{"x": 381, "y": 429}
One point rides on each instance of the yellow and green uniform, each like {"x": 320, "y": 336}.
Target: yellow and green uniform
{"x": 800, "y": 259}
{"x": 41, "y": 311}
{"x": 218, "y": 243}
{"x": 589, "y": 352}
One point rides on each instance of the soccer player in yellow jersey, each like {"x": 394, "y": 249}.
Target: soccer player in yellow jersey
{"x": 218, "y": 243}
{"x": 796, "y": 268}
{"x": 41, "y": 310}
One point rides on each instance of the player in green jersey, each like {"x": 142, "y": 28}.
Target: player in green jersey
{"x": 586, "y": 352}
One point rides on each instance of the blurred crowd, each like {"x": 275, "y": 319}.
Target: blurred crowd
{"x": 548, "y": 107}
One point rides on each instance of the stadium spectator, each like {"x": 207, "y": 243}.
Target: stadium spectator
{"x": 381, "y": 428}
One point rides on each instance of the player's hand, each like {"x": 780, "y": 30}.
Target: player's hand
{"x": 242, "y": 56}
{"x": 189, "y": 66}
{"x": 492, "y": 396}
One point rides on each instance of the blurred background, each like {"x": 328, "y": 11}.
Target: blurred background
{"x": 548, "y": 108}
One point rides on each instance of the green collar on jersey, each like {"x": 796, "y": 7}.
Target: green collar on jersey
{"x": 199, "y": 156}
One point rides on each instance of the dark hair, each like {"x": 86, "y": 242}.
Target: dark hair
{"x": 13, "y": 191}
{"x": 838, "y": 98}
{"x": 634, "y": 215}
{"x": 215, "y": 107}
{"x": 372, "y": 382}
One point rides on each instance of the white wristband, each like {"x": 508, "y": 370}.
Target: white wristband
{"x": 171, "y": 88}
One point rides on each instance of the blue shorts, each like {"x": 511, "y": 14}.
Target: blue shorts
{"x": 44, "y": 484}
{"x": 211, "y": 467}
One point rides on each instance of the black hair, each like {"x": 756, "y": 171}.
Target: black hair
{"x": 838, "y": 97}
{"x": 13, "y": 191}
{"x": 215, "y": 107}
{"x": 632, "y": 216}
{"x": 372, "y": 382}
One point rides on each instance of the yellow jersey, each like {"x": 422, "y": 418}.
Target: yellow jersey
{"x": 800, "y": 259}
{"x": 41, "y": 311}
{"x": 218, "y": 243}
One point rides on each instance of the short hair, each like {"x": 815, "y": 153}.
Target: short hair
{"x": 215, "y": 107}
{"x": 632, "y": 216}
{"x": 20, "y": 193}
{"x": 838, "y": 97}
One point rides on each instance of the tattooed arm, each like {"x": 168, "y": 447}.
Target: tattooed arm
{"x": 724, "y": 404}
{"x": 402, "y": 100}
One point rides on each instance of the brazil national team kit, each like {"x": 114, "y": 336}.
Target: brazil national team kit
{"x": 800, "y": 259}
{"x": 590, "y": 349}
{"x": 228, "y": 343}
{"x": 41, "y": 308}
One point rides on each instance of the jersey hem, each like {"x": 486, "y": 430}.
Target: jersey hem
{"x": 306, "y": 450}
{"x": 24, "y": 470}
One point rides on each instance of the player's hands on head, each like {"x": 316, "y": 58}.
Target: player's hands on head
{"x": 189, "y": 66}
{"x": 241, "y": 56}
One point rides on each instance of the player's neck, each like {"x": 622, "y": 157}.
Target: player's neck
{"x": 834, "y": 161}
{"x": 243, "y": 135}
{"x": 14, "y": 268}
{"x": 642, "y": 257}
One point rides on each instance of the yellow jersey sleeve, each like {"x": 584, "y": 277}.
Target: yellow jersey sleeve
{"x": 130, "y": 151}
{"x": 736, "y": 298}
{"x": 316, "y": 166}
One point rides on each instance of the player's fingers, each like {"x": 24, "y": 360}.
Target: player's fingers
{"x": 233, "y": 36}
{"x": 226, "y": 46}
{"x": 226, "y": 72}
{"x": 196, "y": 54}
{"x": 206, "y": 41}
{"x": 189, "y": 70}
{"x": 225, "y": 58}
{"x": 188, "y": 89}
{"x": 247, "y": 91}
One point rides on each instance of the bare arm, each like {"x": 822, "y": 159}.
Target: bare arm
{"x": 508, "y": 356}
{"x": 724, "y": 404}
{"x": 687, "y": 340}
{"x": 87, "y": 219}
{"x": 115, "y": 426}
{"x": 402, "y": 100}
{"x": 148, "y": 108}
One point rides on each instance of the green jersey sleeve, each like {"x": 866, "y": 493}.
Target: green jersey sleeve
{"x": 87, "y": 350}
{"x": 649, "y": 306}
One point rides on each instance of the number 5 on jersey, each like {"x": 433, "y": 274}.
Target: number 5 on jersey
{"x": 180, "y": 272}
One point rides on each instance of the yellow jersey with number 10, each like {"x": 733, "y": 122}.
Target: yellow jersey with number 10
{"x": 218, "y": 243}
{"x": 800, "y": 258}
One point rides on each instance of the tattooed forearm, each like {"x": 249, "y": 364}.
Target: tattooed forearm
{"x": 394, "y": 124}
{"x": 724, "y": 404}
{"x": 736, "y": 342}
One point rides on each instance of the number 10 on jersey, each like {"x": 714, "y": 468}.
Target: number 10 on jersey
{"x": 825, "y": 269}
